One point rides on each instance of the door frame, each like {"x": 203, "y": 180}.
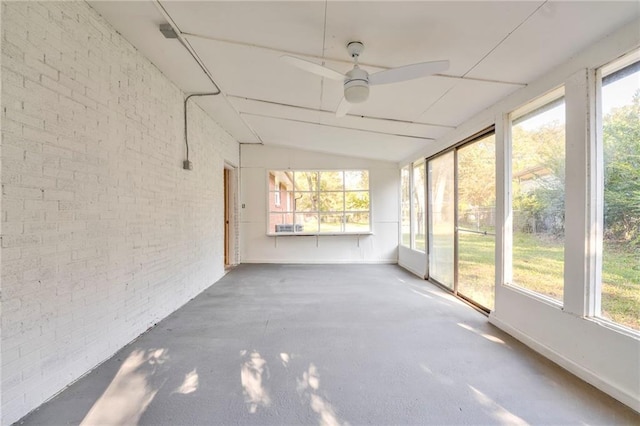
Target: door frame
{"x": 453, "y": 148}
{"x": 230, "y": 191}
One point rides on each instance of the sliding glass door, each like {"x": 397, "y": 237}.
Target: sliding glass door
{"x": 461, "y": 220}
{"x": 476, "y": 204}
{"x": 441, "y": 219}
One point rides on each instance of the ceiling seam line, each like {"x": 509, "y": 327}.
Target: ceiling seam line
{"x": 336, "y": 127}
{"x": 324, "y": 39}
{"x": 366, "y": 117}
{"x": 505, "y": 38}
{"x": 483, "y": 58}
{"x": 343, "y": 61}
{"x": 437, "y": 100}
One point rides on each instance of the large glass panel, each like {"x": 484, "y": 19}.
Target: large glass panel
{"x": 274, "y": 201}
{"x": 357, "y": 201}
{"x": 331, "y": 181}
{"x": 331, "y": 201}
{"x": 317, "y": 201}
{"x": 306, "y": 201}
{"x": 275, "y": 222}
{"x": 280, "y": 200}
{"x": 537, "y": 163}
{"x": 476, "y": 221}
{"x": 306, "y": 181}
{"x": 620, "y": 297}
{"x": 278, "y": 178}
{"x": 418, "y": 216}
{"x": 356, "y": 180}
{"x": 405, "y": 210}
{"x": 282, "y": 222}
{"x": 357, "y": 222}
{"x": 441, "y": 219}
{"x": 331, "y": 223}
{"x": 306, "y": 222}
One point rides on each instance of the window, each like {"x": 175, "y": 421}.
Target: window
{"x": 405, "y": 209}
{"x": 417, "y": 213}
{"x": 441, "y": 218}
{"x": 620, "y": 130}
{"x": 537, "y": 180}
{"x": 319, "y": 202}
{"x": 476, "y": 205}
{"x": 412, "y": 210}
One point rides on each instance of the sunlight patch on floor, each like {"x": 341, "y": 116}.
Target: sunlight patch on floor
{"x": 426, "y": 296}
{"x": 502, "y": 415}
{"x": 190, "y": 383}
{"x": 130, "y": 392}
{"x": 489, "y": 337}
{"x": 285, "y": 358}
{"x": 253, "y": 374}
{"x": 309, "y": 389}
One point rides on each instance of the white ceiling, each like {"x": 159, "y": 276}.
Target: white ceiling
{"x": 494, "y": 48}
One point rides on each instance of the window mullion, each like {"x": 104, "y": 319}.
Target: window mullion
{"x": 344, "y": 204}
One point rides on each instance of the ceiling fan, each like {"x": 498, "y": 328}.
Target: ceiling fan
{"x": 357, "y": 81}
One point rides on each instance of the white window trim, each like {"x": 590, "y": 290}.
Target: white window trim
{"x": 412, "y": 237}
{"x": 507, "y": 249}
{"x": 409, "y": 168}
{"x": 291, "y": 209}
{"x": 596, "y": 183}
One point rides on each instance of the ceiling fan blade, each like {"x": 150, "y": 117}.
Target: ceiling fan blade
{"x": 343, "y": 108}
{"x": 312, "y": 67}
{"x": 408, "y": 72}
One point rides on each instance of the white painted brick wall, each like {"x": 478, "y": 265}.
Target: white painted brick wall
{"x": 103, "y": 233}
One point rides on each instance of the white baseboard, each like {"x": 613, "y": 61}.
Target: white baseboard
{"x": 410, "y": 269}
{"x": 322, "y": 261}
{"x": 569, "y": 365}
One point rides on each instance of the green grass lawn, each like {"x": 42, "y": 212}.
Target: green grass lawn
{"x": 419, "y": 241}
{"x": 538, "y": 266}
{"x": 476, "y": 267}
{"x": 621, "y": 285}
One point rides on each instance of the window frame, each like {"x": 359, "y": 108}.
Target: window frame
{"x": 408, "y": 168}
{"x": 532, "y": 105}
{"x": 594, "y": 294}
{"x": 291, "y": 209}
{"x": 413, "y": 220}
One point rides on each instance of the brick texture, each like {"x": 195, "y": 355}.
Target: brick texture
{"x": 103, "y": 232}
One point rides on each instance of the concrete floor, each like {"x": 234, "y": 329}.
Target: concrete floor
{"x": 328, "y": 344}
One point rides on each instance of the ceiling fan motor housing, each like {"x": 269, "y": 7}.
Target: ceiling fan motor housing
{"x": 355, "y": 48}
{"x": 356, "y": 86}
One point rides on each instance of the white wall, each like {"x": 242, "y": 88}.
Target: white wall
{"x": 593, "y": 350}
{"x": 413, "y": 260}
{"x": 256, "y": 246}
{"x": 103, "y": 232}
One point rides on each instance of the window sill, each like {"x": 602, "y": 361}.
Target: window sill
{"x": 614, "y": 326}
{"x": 415, "y": 250}
{"x": 554, "y": 303}
{"x": 316, "y": 234}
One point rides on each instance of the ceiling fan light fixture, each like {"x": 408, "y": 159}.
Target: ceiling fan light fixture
{"x": 356, "y": 86}
{"x": 356, "y": 91}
